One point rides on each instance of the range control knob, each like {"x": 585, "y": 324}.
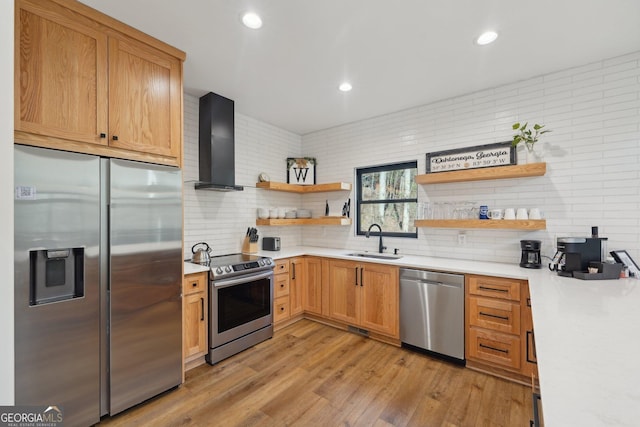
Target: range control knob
{"x": 269, "y": 261}
{"x": 227, "y": 269}
{"x": 261, "y": 263}
{"x": 218, "y": 270}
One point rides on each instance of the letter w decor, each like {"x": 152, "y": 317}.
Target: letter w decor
{"x": 301, "y": 170}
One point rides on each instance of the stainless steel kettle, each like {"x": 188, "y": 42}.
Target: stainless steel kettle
{"x": 201, "y": 256}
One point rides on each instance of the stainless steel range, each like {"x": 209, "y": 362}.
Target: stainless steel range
{"x": 240, "y": 304}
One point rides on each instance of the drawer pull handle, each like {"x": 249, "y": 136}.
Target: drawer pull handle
{"x": 202, "y": 309}
{"x": 282, "y": 285}
{"x": 528, "y": 302}
{"x": 194, "y": 284}
{"x": 281, "y": 308}
{"x": 531, "y": 348}
{"x": 482, "y": 313}
{"x": 493, "y": 348}
{"x": 486, "y": 288}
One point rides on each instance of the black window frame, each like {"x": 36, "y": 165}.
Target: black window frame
{"x": 413, "y": 164}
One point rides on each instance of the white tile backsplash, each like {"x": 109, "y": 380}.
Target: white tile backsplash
{"x": 221, "y": 218}
{"x": 592, "y": 155}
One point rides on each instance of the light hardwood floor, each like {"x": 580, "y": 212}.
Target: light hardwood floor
{"x": 310, "y": 374}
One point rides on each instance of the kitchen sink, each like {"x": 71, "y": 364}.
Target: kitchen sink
{"x": 374, "y": 255}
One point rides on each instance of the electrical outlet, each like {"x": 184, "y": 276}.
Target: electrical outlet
{"x": 462, "y": 238}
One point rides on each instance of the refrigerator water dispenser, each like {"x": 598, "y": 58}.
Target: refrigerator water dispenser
{"x": 56, "y": 275}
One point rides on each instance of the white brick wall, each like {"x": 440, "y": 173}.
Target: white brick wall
{"x": 592, "y": 155}
{"x": 221, "y": 218}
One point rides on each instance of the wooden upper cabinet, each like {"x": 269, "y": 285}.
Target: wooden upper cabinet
{"x": 144, "y": 96}
{"x": 87, "y": 83}
{"x": 61, "y": 74}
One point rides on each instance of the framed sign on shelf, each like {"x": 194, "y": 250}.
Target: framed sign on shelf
{"x": 301, "y": 170}
{"x": 479, "y": 156}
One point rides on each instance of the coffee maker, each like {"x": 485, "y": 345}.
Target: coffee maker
{"x": 575, "y": 254}
{"x": 530, "y": 253}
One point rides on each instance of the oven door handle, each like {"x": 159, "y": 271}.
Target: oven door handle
{"x": 242, "y": 279}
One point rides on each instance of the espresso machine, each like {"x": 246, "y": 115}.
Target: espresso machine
{"x": 575, "y": 253}
{"x": 530, "y": 254}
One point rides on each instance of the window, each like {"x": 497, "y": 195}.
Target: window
{"x": 388, "y": 196}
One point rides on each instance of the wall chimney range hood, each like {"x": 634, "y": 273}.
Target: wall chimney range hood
{"x": 216, "y": 144}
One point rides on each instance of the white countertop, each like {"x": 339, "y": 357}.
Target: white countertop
{"x": 191, "y": 268}
{"x": 587, "y": 336}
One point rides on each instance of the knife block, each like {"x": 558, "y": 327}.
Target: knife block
{"x": 249, "y": 247}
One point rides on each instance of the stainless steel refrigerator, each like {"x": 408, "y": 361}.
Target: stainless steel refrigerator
{"x": 98, "y": 272}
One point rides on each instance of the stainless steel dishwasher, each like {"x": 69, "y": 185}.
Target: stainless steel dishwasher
{"x": 432, "y": 312}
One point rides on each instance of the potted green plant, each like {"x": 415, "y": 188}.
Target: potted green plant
{"x": 529, "y": 136}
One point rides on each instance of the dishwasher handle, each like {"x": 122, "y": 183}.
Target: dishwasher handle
{"x": 434, "y": 283}
{"x": 434, "y": 278}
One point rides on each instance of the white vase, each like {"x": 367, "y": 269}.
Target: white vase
{"x": 528, "y": 153}
{"x": 534, "y": 155}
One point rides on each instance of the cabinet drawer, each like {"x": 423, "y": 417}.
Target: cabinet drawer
{"x": 281, "y": 309}
{"x": 192, "y": 283}
{"x": 282, "y": 266}
{"x": 501, "y": 316}
{"x": 494, "y": 347}
{"x": 280, "y": 285}
{"x": 495, "y": 287}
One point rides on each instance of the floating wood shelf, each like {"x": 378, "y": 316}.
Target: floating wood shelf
{"x": 296, "y": 188}
{"x": 513, "y": 224}
{"x": 481, "y": 174}
{"x": 323, "y": 220}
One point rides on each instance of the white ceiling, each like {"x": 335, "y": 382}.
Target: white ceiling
{"x": 397, "y": 54}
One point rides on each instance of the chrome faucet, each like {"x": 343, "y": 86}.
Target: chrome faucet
{"x": 380, "y": 247}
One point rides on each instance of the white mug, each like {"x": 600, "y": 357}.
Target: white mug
{"x": 521, "y": 213}
{"x": 534, "y": 213}
{"x": 510, "y": 213}
{"x": 495, "y": 213}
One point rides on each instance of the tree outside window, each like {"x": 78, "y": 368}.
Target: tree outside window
{"x": 387, "y": 195}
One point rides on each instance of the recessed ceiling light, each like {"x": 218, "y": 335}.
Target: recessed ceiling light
{"x": 345, "y": 87}
{"x": 252, "y": 20}
{"x": 486, "y": 38}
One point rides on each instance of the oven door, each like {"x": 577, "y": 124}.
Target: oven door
{"x": 239, "y": 306}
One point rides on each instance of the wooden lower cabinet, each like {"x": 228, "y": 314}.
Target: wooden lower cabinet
{"x": 499, "y": 327}
{"x": 528, "y": 348}
{"x": 288, "y": 290}
{"x": 341, "y": 293}
{"x": 365, "y": 295}
{"x": 297, "y": 278}
{"x": 312, "y": 286}
{"x": 495, "y": 348}
{"x": 499, "y": 336}
{"x": 281, "y": 290}
{"x": 194, "y": 318}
